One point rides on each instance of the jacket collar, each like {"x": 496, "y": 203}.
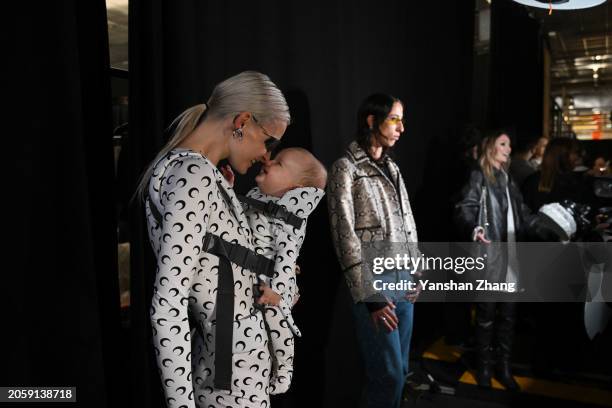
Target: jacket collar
{"x": 360, "y": 156}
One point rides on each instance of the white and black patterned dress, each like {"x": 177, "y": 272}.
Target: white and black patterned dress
{"x": 280, "y": 241}
{"x": 189, "y": 192}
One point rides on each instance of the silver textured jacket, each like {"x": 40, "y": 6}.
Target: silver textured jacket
{"x": 365, "y": 205}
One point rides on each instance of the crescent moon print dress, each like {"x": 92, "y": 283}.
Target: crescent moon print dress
{"x": 188, "y": 191}
{"x": 277, "y": 240}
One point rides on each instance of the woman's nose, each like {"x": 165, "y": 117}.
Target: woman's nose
{"x": 265, "y": 159}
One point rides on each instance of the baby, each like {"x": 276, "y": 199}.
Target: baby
{"x": 294, "y": 183}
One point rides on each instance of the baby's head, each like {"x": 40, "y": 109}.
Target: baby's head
{"x": 291, "y": 168}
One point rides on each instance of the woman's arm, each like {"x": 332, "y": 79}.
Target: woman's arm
{"x": 342, "y": 222}
{"x": 466, "y": 210}
{"x": 186, "y": 193}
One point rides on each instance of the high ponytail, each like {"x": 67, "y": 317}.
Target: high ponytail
{"x": 249, "y": 91}
{"x": 183, "y": 125}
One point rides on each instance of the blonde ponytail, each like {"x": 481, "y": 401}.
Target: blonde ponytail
{"x": 249, "y": 91}
{"x": 183, "y": 125}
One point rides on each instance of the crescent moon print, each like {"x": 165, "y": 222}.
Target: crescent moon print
{"x": 186, "y": 285}
{"x": 182, "y": 182}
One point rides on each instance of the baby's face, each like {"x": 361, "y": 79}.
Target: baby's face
{"x": 279, "y": 175}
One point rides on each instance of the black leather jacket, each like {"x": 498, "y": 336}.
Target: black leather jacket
{"x": 496, "y": 229}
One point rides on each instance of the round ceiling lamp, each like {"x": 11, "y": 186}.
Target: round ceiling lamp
{"x": 561, "y": 4}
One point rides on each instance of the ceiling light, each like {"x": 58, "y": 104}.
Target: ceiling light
{"x": 597, "y": 57}
{"x": 595, "y": 75}
{"x": 561, "y": 4}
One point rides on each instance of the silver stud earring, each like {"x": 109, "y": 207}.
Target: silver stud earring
{"x": 237, "y": 133}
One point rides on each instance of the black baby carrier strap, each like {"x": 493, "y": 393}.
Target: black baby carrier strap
{"x": 273, "y": 210}
{"x": 244, "y": 257}
{"x": 236, "y": 253}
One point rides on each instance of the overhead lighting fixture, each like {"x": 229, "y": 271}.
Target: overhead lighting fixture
{"x": 595, "y": 75}
{"x": 561, "y": 4}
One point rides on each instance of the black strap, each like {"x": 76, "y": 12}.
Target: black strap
{"x": 239, "y": 255}
{"x": 225, "y": 322}
{"x": 274, "y": 210}
{"x": 236, "y": 253}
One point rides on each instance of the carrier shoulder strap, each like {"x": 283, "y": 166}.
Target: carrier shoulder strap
{"x": 273, "y": 210}
{"x": 236, "y": 253}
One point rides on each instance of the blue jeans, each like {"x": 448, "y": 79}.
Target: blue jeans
{"x": 385, "y": 355}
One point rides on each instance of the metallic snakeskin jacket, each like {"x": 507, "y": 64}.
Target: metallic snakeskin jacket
{"x": 366, "y": 205}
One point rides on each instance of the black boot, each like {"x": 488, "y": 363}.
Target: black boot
{"x": 503, "y": 374}
{"x": 485, "y": 313}
{"x": 505, "y": 337}
{"x": 484, "y": 370}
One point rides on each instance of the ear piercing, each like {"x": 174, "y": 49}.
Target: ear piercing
{"x": 237, "y": 133}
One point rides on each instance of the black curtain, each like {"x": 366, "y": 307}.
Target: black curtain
{"x": 60, "y": 267}
{"x": 327, "y": 57}
{"x": 516, "y": 71}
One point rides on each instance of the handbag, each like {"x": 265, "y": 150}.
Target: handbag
{"x": 483, "y": 214}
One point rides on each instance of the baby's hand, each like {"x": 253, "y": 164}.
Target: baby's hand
{"x": 268, "y": 296}
{"x": 228, "y": 174}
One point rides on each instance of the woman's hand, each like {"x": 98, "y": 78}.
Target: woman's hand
{"x": 413, "y": 295}
{"x": 479, "y": 235}
{"x": 268, "y": 296}
{"x": 228, "y": 173}
{"x": 385, "y": 317}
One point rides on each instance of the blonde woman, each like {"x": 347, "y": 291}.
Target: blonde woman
{"x": 507, "y": 217}
{"x": 206, "y": 269}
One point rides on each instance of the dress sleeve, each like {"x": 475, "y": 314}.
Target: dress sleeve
{"x": 342, "y": 222}
{"x": 185, "y": 192}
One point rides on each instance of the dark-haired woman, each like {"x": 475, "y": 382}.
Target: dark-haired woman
{"x": 368, "y": 202}
{"x": 556, "y": 180}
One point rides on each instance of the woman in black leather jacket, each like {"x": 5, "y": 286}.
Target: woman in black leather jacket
{"x": 503, "y": 218}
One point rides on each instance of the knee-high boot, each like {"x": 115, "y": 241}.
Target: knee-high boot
{"x": 485, "y": 315}
{"x": 505, "y": 338}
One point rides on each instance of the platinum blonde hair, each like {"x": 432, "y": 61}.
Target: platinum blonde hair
{"x": 249, "y": 91}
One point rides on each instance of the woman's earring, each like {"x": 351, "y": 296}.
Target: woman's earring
{"x": 237, "y": 133}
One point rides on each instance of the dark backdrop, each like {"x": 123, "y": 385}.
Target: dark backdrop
{"x": 515, "y": 96}
{"x": 59, "y": 269}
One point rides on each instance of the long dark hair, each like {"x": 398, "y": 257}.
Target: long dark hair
{"x": 556, "y": 162}
{"x": 378, "y": 105}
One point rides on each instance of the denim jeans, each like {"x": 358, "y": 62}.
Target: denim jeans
{"x": 385, "y": 355}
